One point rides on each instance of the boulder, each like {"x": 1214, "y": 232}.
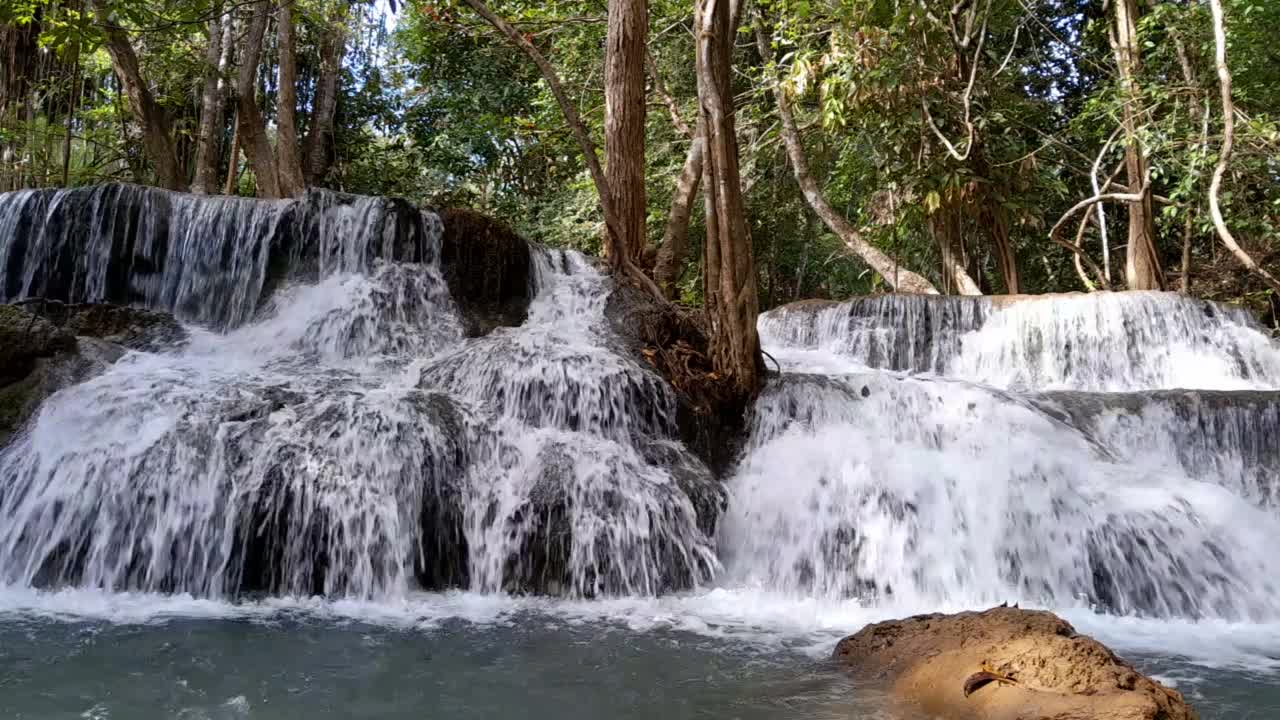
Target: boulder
{"x": 1004, "y": 664}
{"x": 46, "y": 346}
{"x": 25, "y": 338}
{"x": 488, "y": 268}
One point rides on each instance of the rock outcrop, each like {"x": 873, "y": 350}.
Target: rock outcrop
{"x": 45, "y": 347}
{"x": 1004, "y": 664}
{"x": 488, "y": 268}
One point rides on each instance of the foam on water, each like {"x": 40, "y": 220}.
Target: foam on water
{"x": 1099, "y": 342}
{"x": 328, "y": 443}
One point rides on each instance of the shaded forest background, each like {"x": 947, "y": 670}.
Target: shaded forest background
{"x": 947, "y": 140}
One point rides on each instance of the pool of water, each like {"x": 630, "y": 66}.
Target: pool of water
{"x": 730, "y": 656}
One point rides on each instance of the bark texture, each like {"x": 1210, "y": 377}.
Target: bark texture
{"x": 1142, "y": 262}
{"x": 157, "y": 136}
{"x": 288, "y": 157}
{"x": 675, "y": 237}
{"x": 249, "y": 120}
{"x": 205, "y": 176}
{"x": 729, "y": 272}
{"x": 1228, "y": 145}
{"x": 320, "y": 131}
{"x": 625, "y": 107}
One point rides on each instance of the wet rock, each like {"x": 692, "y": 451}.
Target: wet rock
{"x": 710, "y": 421}
{"x": 46, "y": 346}
{"x": 24, "y": 338}
{"x": 1004, "y": 664}
{"x": 694, "y": 478}
{"x": 488, "y": 268}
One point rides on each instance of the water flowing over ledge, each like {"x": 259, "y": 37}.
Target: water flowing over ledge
{"x": 208, "y": 260}
{"x": 1105, "y": 342}
{"x": 330, "y": 428}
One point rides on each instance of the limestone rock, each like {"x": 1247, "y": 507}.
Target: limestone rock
{"x": 25, "y": 337}
{"x": 488, "y": 268}
{"x": 40, "y": 353}
{"x": 1004, "y": 664}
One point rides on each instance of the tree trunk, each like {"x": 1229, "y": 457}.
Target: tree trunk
{"x": 206, "y": 172}
{"x": 675, "y": 238}
{"x": 320, "y": 130}
{"x": 624, "y": 92}
{"x": 946, "y": 230}
{"x": 1228, "y": 144}
{"x": 732, "y": 301}
{"x": 73, "y": 95}
{"x": 1142, "y": 262}
{"x": 994, "y": 218}
{"x": 899, "y": 278}
{"x": 233, "y": 162}
{"x": 252, "y": 126}
{"x": 157, "y": 137}
{"x": 292, "y": 182}
{"x": 616, "y": 252}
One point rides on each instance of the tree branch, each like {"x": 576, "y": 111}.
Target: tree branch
{"x": 1228, "y": 144}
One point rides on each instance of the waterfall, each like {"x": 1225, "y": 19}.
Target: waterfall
{"x": 1100, "y": 342}
{"x": 331, "y": 427}
{"x": 938, "y": 461}
{"x": 340, "y": 436}
{"x": 208, "y": 260}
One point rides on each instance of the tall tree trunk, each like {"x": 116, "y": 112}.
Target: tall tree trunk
{"x": 73, "y": 95}
{"x": 292, "y": 182}
{"x": 1142, "y": 261}
{"x": 675, "y": 238}
{"x": 945, "y": 226}
{"x": 157, "y": 137}
{"x": 994, "y": 218}
{"x": 731, "y": 297}
{"x": 320, "y": 130}
{"x": 252, "y": 126}
{"x": 619, "y": 258}
{"x": 1228, "y": 144}
{"x": 625, "y": 106}
{"x": 899, "y": 278}
{"x": 211, "y": 107}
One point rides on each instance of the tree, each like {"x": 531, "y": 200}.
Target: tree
{"x": 619, "y": 254}
{"x": 729, "y": 270}
{"x": 157, "y": 135}
{"x": 897, "y": 277}
{"x": 624, "y": 93}
{"x": 1142, "y": 259}
{"x": 1228, "y": 144}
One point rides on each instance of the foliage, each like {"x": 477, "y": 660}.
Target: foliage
{"x": 437, "y": 107}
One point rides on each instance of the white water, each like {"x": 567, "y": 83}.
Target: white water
{"x": 349, "y": 443}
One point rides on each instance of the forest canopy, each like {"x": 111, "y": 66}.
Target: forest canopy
{"x": 879, "y": 143}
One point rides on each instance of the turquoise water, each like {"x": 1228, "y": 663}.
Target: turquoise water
{"x": 471, "y": 657}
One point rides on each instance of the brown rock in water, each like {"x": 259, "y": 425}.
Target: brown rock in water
{"x": 1004, "y": 664}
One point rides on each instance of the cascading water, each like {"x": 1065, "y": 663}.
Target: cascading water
{"x": 943, "y": 488}
{"x": 208, "y": 260}
{"x": 350, "y": 442}
{"x": 328, "y": 428}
